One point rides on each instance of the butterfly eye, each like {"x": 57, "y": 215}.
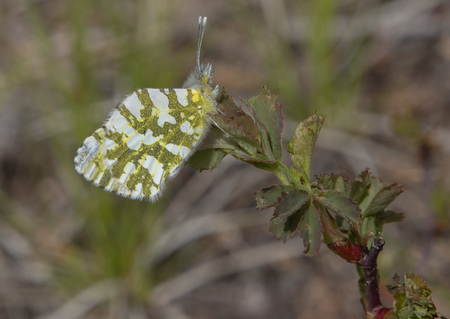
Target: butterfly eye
{"x": 205, "y": 78}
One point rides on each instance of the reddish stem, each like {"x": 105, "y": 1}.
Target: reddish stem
{"x": 369, "y": 265}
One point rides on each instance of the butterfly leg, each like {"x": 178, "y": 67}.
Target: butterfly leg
{"x": 218, "y": 126}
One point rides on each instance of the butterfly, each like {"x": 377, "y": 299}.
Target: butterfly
{"x": 150, "y": 135}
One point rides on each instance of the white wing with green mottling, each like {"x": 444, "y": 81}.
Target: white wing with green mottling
{"x": 145, "y": 141}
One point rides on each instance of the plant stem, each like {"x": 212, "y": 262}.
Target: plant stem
{"x": 369, "y": 265}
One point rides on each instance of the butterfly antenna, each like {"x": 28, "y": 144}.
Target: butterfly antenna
{"x": 201, "y": 30}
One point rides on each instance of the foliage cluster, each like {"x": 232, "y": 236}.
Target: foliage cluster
{"x": 346, "y": 214}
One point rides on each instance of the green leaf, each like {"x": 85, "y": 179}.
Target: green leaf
{"x": 216, "y": 139}
{"x": 291, "y": 202}
{"x": 371, "y": 195}
{"x": 379, "y": 195}
{"x": 209, "y": 155}
{"x": 244, "y": 140}
{"x": 268, "y": 116}
{"x": 361, "y": 186}
{"x": 310, "y": 229}
{"x": 255, "y": 159}
{"x": 297, "y": 212}
{"x": 383, "y": 198}
{"x": 285, "y": 228}
{"x": 339, "y": 204}
{"x": 356, "y": 190}
{"x": 412, "y": 299}
{"x": 228, "y": 106}
{"x": 369, "y": 225}
{"x": 206, "y": 159}
{"x": 335, "y": 182}
{"x": 241, "y": 135}
{"x": 359, "y": 191}
{"x": 302, "y": 144}
{"x": 262, "y": 162}
{"x": 374, "y": 223}
{"x": 270, "y": 196}
{"x": 389, "y": 217}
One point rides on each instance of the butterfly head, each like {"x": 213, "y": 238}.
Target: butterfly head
{"x": 202, "y": 73}
{"x": 205, "y": 73}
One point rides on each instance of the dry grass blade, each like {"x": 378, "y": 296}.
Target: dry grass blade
{"x": 86, "y": 300}
{"x": 220, "y": 267}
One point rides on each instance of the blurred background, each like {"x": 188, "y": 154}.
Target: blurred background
{"x": 379, "y": 69}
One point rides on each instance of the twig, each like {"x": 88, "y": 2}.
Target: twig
{"x": 426, "y": 158}
{"x": 369, "y": 265}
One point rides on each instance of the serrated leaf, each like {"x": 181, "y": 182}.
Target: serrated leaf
{"x": 209, "y": 155}
{"x": 339, "y": 204}
{"x": 258, "y": 160}
{"x": 241, "y": 135}
{"x": 254, "y": 157}
{"x": 375, "y": 186}
{"x": 361, "y": 189}
{"x": 305, "y": 219}
{"x": 371, "y": 195}
{"x": 228, "y": 106}
{"x": 291, "y": 202}
{"x": 268, "y": 116}
{"x": 302, "y": 144}
{"x": 244, "y": 140}
{"x": 374, "y": 224}
{"x": 379, "y": 195}
{"x": 383, "y": 198}
{"x": 389, "y": 217}
{"x": 364, "y": 176}
{"x": 356, "y": 190}
{"x": 216, "y": 139}
{"x": 270, "y": 196}
{"x": 335, "y": 182}
{"x": 310, "y": 229}
{"x": 206, "y": 159}
{"x": 285, "y": 228}
{"x": 369, "y": 192}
